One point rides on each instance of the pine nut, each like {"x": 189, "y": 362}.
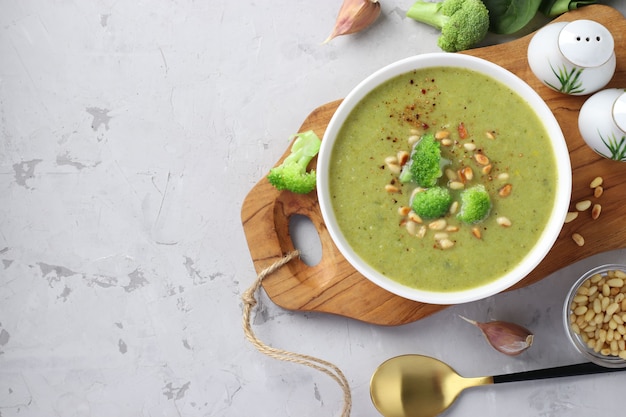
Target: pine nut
{"x": 446, "y": 243}
{"x": 481, "y": 159}
{"x": 446, "y": 142}
{"x": 411, "y": 227}
{"x": 456, "y": 185}
{"x": 583, "y": 205}
{"x": 505, "y": 190}
{"x": 442, "y": 134}
{"x": 394, "y": 168}
{"x": 404, "y": 210}
{"x": 486, "y": 169}
{"x": 454, "y": 207}
{"x": 578, "y": 239}
{"x": 596, "y": 182}
{"x": 414, "y": 217}
{"x": 595, "y": 211}
{"x": 391, "y": 188}
{"x": 403, "y": 157}
{"x": 476, "y": 232}
{"x": 467, "y": 173}
{"x": 571, "y": 216}
{"x": 413, "y": 139}
{"x": 598, "y": 191}
{"x": 421, "y": 232}
{"x": 451, "y": 174}
{"x": 503, "y": 221}
{"x": 439, "y": 224}
{"x": 503, "y": 176}
{"x": 490, "y": 135}
{"x": 470, "y": 147}
{"x": 391, "y": 160}
{"x": 441, "y": 236}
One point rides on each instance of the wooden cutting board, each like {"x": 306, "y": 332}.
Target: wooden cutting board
{"x": 334, "y": 286}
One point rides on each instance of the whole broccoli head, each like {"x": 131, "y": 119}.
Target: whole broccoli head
{"x": 424, "y": 166}
{"x": 475, "y": 204}
{"x": 463, "y": 23}
{"x": 291, "y": 174}
{"x": 432, "y": 203}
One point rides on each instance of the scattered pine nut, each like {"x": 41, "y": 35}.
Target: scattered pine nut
{"x": 454, "y": 207}
{"x": 439, "y": 224}
{"x": 596, "y": 182}
{"x": 421, "y": 232}
{"x": 456, "y": 185}
{"x": 490, "y": 135}
{"x": 503, "y": 176}
{"x": 571, "y": 216}
{"x": 583, "y": 205}
{"x": 481, "y": 159}
{"x": 476, "y": 232}
{"x": 394, "y": 168}
{"x": 411, "y": 227}
{"x": 450, "y": 174}
{"x": 390, "y": 188}
{"x": 414, "y": 217}
{"x": 578, "y": 239}
{"x": 486, "y": 169}
{"x": 503, "y": 221}
{"x": 442, "y": 134}
{"x": 505, "y": 190}
{"x": 470, "y": 147}
{"x": 598, "y": 191}
{"x": 595, "y": 211}
{"x": 413, "y": 139}
{"x": 404, "y": 210}
{"x": 467, "y": 174}
{"x": 445, "y": 243}
{"x": 403, "y": 157}
{"x": 447, "y": 142}
{"x": 391, "y": 160}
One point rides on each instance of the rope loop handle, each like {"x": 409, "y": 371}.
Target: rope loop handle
{"x": 249, "y": 302}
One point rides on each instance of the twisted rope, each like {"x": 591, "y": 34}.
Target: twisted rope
{"x": 249, "y": 301}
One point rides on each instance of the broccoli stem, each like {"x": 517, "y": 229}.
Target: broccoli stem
{"x": 553, "y": 8}
{"x": 429, "y": 13}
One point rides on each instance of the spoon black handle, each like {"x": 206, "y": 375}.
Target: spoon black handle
{"x": 560, "y": 371}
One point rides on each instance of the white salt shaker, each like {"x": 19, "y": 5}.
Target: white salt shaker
{"x": 575, "y": 58}
{"x": 602, "y": 123}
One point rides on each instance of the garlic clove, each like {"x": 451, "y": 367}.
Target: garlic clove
{"x": 508, "y": 338}
{"x": 354, "y": 16}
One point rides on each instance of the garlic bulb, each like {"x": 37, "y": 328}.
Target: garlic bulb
{"x": 354, "y": 16}
{"x": 508, "y": 338}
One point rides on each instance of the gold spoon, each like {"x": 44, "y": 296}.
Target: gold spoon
{"x": 421, "y": 386}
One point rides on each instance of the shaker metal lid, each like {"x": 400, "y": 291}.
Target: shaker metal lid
{"x": 586, "y": 43}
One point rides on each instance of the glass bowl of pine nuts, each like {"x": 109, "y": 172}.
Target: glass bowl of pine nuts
{"x": 595, "y": 315}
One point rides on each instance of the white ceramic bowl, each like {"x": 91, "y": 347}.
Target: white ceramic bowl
{"x": 563, "y": 188}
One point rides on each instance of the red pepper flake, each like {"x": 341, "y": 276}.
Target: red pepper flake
{"x": 462, "y": 131}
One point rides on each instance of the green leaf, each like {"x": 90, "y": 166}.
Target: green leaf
{"x": 509, "y": 16}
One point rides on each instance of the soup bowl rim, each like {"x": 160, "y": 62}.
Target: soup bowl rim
{"x": 563, "y": 186}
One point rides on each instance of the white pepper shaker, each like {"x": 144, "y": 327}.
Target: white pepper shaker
{"x": 576, "y": 58}
{"x": 602, "y": 123}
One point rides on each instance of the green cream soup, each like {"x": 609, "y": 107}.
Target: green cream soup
{"x": 499, "y": 125}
